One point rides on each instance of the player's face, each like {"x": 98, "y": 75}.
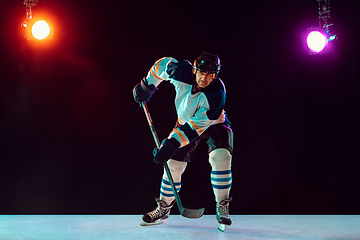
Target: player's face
{"x": 203, "y": 79}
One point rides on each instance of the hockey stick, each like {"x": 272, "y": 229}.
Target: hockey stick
{"x": 185, "y": 212}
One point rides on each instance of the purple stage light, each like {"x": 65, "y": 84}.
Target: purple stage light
{"x": 316, "y": 41}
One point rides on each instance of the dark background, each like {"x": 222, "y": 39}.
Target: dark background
{"x": 73, "y": 141}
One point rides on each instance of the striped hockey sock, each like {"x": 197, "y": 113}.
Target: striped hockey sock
{"x": 166, "y": 193}
{"x": 176, "y": 169}
{"x": 221, "y": 178}
{"x": 221, "y": 183}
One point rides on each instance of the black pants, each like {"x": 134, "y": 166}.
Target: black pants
{"x": 217, "y": 136}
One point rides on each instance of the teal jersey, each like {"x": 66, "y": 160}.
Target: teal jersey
{"x": 196, "y": 110}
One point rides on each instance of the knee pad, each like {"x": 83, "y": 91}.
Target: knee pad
{"x": 176, "y": 169}
{"x": 220, "y": 159}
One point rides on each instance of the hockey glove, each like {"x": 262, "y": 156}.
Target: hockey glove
{"x": 167, "y": 149}
{"x": 142, "y": 91}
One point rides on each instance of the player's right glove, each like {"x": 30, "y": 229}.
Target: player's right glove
{"x": 142, "y": 91}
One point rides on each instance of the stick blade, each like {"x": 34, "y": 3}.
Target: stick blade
{"x": 193, "y": 213}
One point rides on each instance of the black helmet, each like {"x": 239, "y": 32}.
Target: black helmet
{"x": 208, "y": 62}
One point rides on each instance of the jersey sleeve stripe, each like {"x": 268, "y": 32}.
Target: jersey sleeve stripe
{"x": 158, "y": 66}
{"x": 155, "y": 75}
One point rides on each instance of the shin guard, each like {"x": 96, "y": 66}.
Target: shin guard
{"x": 221, "y": 177}
{"x": 176, "y": 168}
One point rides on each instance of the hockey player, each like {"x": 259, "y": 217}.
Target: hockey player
{"x": 199, "y": 101}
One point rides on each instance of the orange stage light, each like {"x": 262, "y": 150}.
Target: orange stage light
{"x": 39, "y": 30}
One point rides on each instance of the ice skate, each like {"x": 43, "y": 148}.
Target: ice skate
{"x": 159, "y": 215}
{"x": 222, "y": 214}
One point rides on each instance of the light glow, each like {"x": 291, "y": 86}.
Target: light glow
{"x": 316, "y": 41}
{"x": 40, "y": 30}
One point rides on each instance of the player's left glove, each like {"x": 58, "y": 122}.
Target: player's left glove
{"x": 142, "y": 92}
{"x": 167, "y": 149}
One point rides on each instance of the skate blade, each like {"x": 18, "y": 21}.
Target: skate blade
{"x": 157, "y": 222}
{"x": 221, "y": 227}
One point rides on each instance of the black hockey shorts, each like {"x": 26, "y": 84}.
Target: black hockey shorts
{"x": 217, "y": 136}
